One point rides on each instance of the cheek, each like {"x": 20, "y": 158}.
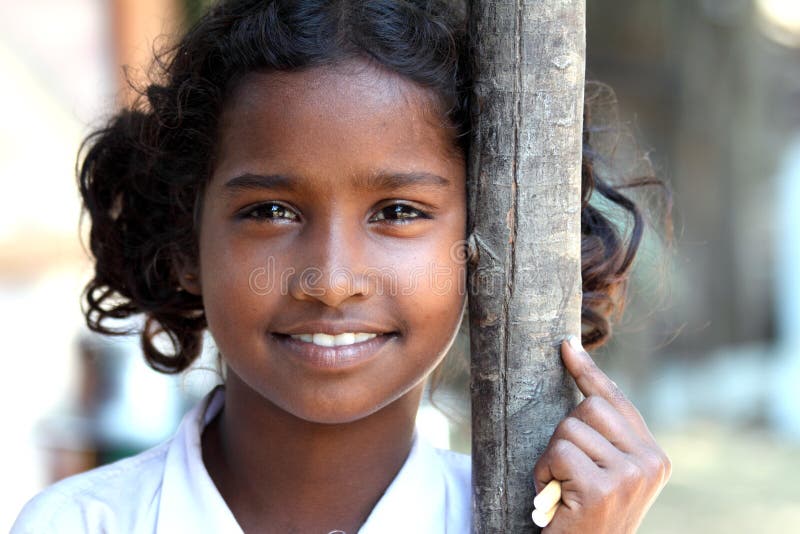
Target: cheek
{"x": 435, "y": 290}
{"x": 238, "y": 285}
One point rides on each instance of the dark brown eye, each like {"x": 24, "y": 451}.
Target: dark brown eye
{"x": 269, "y": 210}
{"x": 399, "y": 213}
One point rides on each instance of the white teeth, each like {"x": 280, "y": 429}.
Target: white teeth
{"x": 324, "y": 340}
{"x": 327, "y": 340}
{"x": 344, "y": 339}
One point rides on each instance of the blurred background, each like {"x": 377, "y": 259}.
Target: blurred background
{"x": 709, "y": 348}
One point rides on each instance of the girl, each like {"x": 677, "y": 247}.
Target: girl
{"x": 295, "y": 157}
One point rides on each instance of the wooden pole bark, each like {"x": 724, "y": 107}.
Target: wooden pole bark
{"x": 524, "y": 221}
{"x": 136, "y": 26}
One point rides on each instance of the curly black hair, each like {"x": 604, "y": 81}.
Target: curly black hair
{"x": 142, "y": 177}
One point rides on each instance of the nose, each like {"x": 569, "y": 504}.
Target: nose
{"x": 333, "y": 267}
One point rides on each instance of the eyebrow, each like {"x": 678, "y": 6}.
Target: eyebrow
{"x": 381, "y": 180}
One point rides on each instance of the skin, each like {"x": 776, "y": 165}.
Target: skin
{"x": 610, "y": 466}
{"x": 283, "y": 450}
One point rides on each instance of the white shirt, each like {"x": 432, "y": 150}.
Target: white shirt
{"x": 167, "y": 490}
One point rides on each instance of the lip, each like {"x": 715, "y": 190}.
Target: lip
{"x": 333, "y": 358}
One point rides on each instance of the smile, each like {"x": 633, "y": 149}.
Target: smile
{"x": 339, "y": 340}
{"x": 333, "y": 352}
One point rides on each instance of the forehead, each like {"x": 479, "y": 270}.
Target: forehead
{"x": 352, "y": 115}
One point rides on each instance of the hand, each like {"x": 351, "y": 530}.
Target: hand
{"x": 608, "y": 463}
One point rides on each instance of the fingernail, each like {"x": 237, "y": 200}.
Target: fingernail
{"x": 575, "y": 343}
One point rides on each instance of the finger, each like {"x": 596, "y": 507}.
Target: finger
{"x": 589, "y": 378}
{"x": 542, "y": 518}
{"x": 564, "y": 461}
{"x": 603, "y": 436}
{"x": 617, "y": 452}
{"x": 592, "y": 381}
{"x": 597, "y": 413}
{"x": 549, "y": 496}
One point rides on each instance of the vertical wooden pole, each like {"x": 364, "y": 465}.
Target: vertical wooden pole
{"x": 138, "y": 25}
{"x": 524, "y": 218}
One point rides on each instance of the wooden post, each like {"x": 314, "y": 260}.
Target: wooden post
{"x": 138, "y": 25}
{"x": 524, "y": 218}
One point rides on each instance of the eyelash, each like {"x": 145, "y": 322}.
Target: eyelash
{"x": 249, "y": 212}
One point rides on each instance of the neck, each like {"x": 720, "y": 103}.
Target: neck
{"x": 275, "y": 469}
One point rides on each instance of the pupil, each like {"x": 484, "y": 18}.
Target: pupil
{"x": 399, "y": 211}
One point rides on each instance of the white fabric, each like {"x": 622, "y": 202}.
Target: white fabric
{"x": 168, "y": 490}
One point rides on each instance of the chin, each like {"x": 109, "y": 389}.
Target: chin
{"x": 334, "y": 410}
{"x": 336, "y": 414}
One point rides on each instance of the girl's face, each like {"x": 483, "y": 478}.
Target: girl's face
{"x": 336, "y": 205}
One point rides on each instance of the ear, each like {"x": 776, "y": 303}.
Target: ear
{"x": 188, "y": 276}
{"x": 190, "y": 282}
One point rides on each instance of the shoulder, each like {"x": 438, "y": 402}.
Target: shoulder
{"x": 126, "y": 496}
{"x": 112, "y": 498}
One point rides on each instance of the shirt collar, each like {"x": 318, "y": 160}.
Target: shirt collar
{"x": 415, "y": 500}
{"x": 190, "y": 502}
